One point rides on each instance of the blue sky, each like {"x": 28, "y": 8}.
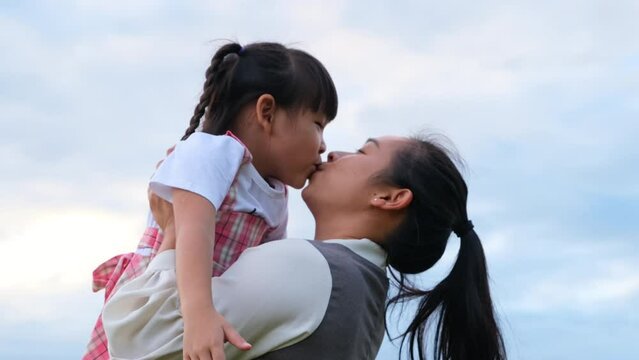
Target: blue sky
{"x": 541, "y": 98}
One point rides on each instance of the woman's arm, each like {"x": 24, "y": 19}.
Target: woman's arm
{"x": 275, "y": 295}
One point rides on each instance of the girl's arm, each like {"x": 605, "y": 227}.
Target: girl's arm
{"x": 205, "y": 330}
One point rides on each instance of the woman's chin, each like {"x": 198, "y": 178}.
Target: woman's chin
{"x": 311, "y": 200}
{"x": 297, "y": 183}
{"x": 307, "y": 192}
{"x": 305, "y": 189}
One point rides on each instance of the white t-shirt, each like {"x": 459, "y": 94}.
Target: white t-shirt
{"x": 208, "y": 165}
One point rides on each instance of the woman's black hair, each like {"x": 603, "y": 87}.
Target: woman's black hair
{"x": 239, "y": 74}
{"x": 465, "y": 321}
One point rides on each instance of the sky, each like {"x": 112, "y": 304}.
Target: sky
{"x": 540, "y": 98}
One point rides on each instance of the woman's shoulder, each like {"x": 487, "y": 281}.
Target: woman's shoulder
{"x": 276, "y": 294}
{"x": 287, "y": 265}
{"x": 290, "y": 251}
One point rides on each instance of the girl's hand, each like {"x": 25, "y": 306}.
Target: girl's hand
{"x": 205, "y": 333}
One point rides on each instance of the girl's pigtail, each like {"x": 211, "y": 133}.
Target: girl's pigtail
{"x": 200, "y": 108}
{"x": 208, "y": 93}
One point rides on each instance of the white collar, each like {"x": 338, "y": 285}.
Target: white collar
{"x": 273, "y": 188}
{"x": 365, "y": 248}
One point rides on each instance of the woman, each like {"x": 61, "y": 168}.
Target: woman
{"x": 394, "y": 202}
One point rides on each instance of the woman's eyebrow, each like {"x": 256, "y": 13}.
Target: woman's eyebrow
{"x": 373, "y": 141}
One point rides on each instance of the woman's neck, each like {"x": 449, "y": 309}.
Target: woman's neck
{"x": 326, "y": 234}
{"x": 344, "y": 227}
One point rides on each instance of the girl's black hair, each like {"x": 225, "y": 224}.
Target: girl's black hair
{"x": 465, "y": 321}
{"x": 239, "y": 74}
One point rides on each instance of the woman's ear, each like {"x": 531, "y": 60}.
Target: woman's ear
{"x": 392, "y": 199}
{"x": 265, "y": 111}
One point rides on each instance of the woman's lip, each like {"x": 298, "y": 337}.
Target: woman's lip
{"x": 317, "y": 168}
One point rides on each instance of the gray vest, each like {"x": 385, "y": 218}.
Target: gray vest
{"x": 353, "y": 326}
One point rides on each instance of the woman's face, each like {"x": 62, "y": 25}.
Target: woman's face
{"x": 346, "y": 181}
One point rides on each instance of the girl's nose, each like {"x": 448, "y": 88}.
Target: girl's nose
{"x": 335, "y": 155}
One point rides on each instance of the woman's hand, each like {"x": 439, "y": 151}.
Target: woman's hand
{"x": 162, "y": 211}
{"x": 168, "y": 152}
{"x": 205, "y": 332}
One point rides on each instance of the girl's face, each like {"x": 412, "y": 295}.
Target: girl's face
{"x": 346, "y": 182}
{"x": 297, "y": 144}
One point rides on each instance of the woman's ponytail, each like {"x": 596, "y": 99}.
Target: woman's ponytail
{"x": 467, "y": 328}
{"x": 465, "y": 321}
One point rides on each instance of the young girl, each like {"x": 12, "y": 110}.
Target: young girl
{"x": 265, "y": 107}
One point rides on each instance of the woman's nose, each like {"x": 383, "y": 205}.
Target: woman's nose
{"x": 335, "y": 155}
{"x": 322, "y": 148}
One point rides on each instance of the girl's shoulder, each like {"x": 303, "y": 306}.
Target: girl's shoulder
{"x": 216, "y": 146}
{"x": 206, "y": 140}
{"x": 203, "y": 164}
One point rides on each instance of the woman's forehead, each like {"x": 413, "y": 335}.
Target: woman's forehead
{"x": 384, "y": 142}
{"x": 388, "y": 142}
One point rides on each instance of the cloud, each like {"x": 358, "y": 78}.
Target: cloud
{"x": 612, "y": 285}
{"x": 503, "y": 81}
{"x": 58, "y": 248}
{"x": 54, "y": 233}
{"x": 540, "y": 99}
{"x": 540, "y": 269}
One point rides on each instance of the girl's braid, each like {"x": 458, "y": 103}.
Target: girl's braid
{"x": 209, "y": 88}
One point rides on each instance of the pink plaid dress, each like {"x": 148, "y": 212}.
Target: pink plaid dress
{"x": 234, "y": 232}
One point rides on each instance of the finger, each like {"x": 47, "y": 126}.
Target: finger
{"x": 233, "y": 337}
{"x": 218, "y": 352}
{"x": 206, "y": 355}
{"x": 168, "y": 152}
{"x": 161, "y": 203}
{"x": 153, "y": 198}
